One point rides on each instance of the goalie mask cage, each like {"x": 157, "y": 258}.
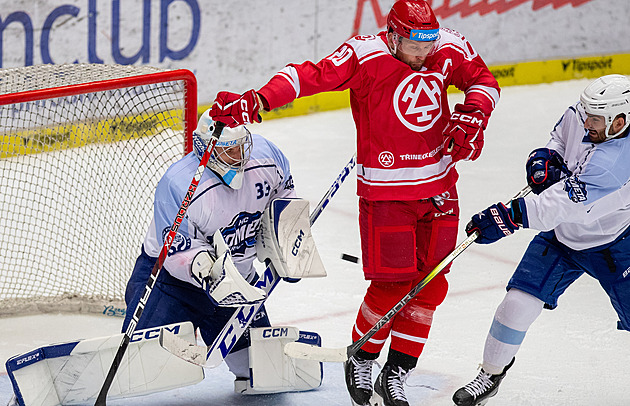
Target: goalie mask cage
{"x": 83, "y": 147}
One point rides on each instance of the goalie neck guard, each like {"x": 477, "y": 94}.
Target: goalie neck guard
{"x": 231, "y": 152}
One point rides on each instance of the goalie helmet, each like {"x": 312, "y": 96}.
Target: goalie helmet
{"x": 608, "y": 96}
{"x": 413, "y": 19}
{"x": 231, "y": 152}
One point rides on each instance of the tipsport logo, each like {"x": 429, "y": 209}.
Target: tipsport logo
{"x": 240, "y": 234}
{"x": 424, "y": 35}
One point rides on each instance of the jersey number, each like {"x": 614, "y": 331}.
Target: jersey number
{"x": 262, "y": 190}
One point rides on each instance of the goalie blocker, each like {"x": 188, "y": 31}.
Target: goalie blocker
{"x": 285, "y": 239}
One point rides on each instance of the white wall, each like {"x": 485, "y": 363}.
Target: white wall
{"x": 240, "y": 44}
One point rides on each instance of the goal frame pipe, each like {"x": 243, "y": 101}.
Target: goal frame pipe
{"x": 190, "y": 107}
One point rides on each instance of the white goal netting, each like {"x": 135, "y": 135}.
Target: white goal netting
{"x": 82, "y": 148}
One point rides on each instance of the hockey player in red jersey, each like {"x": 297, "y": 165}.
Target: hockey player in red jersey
{"x": 407, "y": 145}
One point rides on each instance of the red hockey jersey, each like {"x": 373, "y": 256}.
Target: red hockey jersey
{"x": 399, "y": 113}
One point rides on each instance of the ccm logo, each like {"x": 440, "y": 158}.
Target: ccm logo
{"x": 153, "y": 333}
{"x": 464, "y": 118}
{"x": 275, "y": 332}
{"x": 297, "y": 243}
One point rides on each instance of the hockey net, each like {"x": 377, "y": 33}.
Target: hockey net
{"x": 82, "y": 149}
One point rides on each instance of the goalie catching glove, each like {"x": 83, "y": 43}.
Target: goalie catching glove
{"x": 285, "y": 239}
{"x": 220, "y": 279}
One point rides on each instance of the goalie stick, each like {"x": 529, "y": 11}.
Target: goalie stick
{"x": 322, "y": 354}
{"x": 212, "y": 356}
{"x": 101, "y": 400}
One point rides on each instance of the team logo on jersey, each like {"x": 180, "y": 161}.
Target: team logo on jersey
{"x": 417, "y": 100}
{"x": 288, "y": 185}
{"x": 386, "y": 159}
{"x": 576, "y": 189}
{"x": 240, "y": 234}
{"x": 180, "y": 243}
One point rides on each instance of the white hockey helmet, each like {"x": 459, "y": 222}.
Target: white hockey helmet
{"x": 608, "y": 96}
{"x": 231, "y": 152}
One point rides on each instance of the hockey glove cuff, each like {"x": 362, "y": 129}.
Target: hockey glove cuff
{"x": 464, "y": 133}
{"x": 544, "y": 167}
{"x": 492, "y": 224}
{"x": 234, "y": 109}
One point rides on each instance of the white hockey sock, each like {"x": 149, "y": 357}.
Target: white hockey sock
{"x": 511, "y": 321}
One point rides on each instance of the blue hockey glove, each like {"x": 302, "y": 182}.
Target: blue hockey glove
{"x": 493, "y": 223}
{"x": 544, "y": 167}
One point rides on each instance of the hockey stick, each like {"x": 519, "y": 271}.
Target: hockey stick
{"x": 322, "y": 354}
{"x": 212, "y": 356}
{"x": 333, "y": 189}
{"x": 101, "y": 400}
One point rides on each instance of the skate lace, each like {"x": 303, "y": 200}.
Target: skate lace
{"x": 480, "y": 384}
{"x": 362, "y": 373}
{"x": 395, "y": 384}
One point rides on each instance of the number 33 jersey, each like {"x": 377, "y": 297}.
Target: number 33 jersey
{"x": 237, "y": 213}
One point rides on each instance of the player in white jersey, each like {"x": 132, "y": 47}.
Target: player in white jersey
{"x": 246, "y": 172}
{"x": 581, "y": 182}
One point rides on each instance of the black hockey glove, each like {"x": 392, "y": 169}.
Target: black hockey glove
{"x": 544, "y": 167}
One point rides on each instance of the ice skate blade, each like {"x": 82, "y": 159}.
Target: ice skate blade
{"x": 357, "y": 404}
{"x": 376, "y": 400}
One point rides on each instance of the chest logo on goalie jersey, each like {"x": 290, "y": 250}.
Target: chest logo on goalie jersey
{"x": 240, "y": 234}
{"x": 417, "y": 100}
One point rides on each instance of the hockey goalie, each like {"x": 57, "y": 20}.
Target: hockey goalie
{"x": 244, "y": 207}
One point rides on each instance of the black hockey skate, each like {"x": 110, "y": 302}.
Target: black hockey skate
{"x": 389, "y": 386}
{"x": 482, "y": 388}
{"x": 358, "y": 373}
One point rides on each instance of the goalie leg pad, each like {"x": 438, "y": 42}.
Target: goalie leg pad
{"x": 73, "y": 372}
{"x": 271, "y": 371}
{"x": 285, "y": 239}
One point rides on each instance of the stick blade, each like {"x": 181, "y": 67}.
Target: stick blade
{"x": 183, "y": 349}
{"x": 315, "y": 353}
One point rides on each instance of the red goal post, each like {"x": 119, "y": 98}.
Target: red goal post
{"x": 82, "y": 147}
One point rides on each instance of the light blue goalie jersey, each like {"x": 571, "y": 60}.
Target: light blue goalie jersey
{"x": 237, "y": 213}
{"x": 592, "y": 207}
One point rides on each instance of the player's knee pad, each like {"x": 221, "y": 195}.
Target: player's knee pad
{"x": 271, "y": 371}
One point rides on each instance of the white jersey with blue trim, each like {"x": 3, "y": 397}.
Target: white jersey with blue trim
{"x": 591, "y": 207}
{"x": 216, "y": 206}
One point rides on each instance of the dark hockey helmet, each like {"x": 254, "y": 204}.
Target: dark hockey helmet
{"x": 413, "y": 19}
